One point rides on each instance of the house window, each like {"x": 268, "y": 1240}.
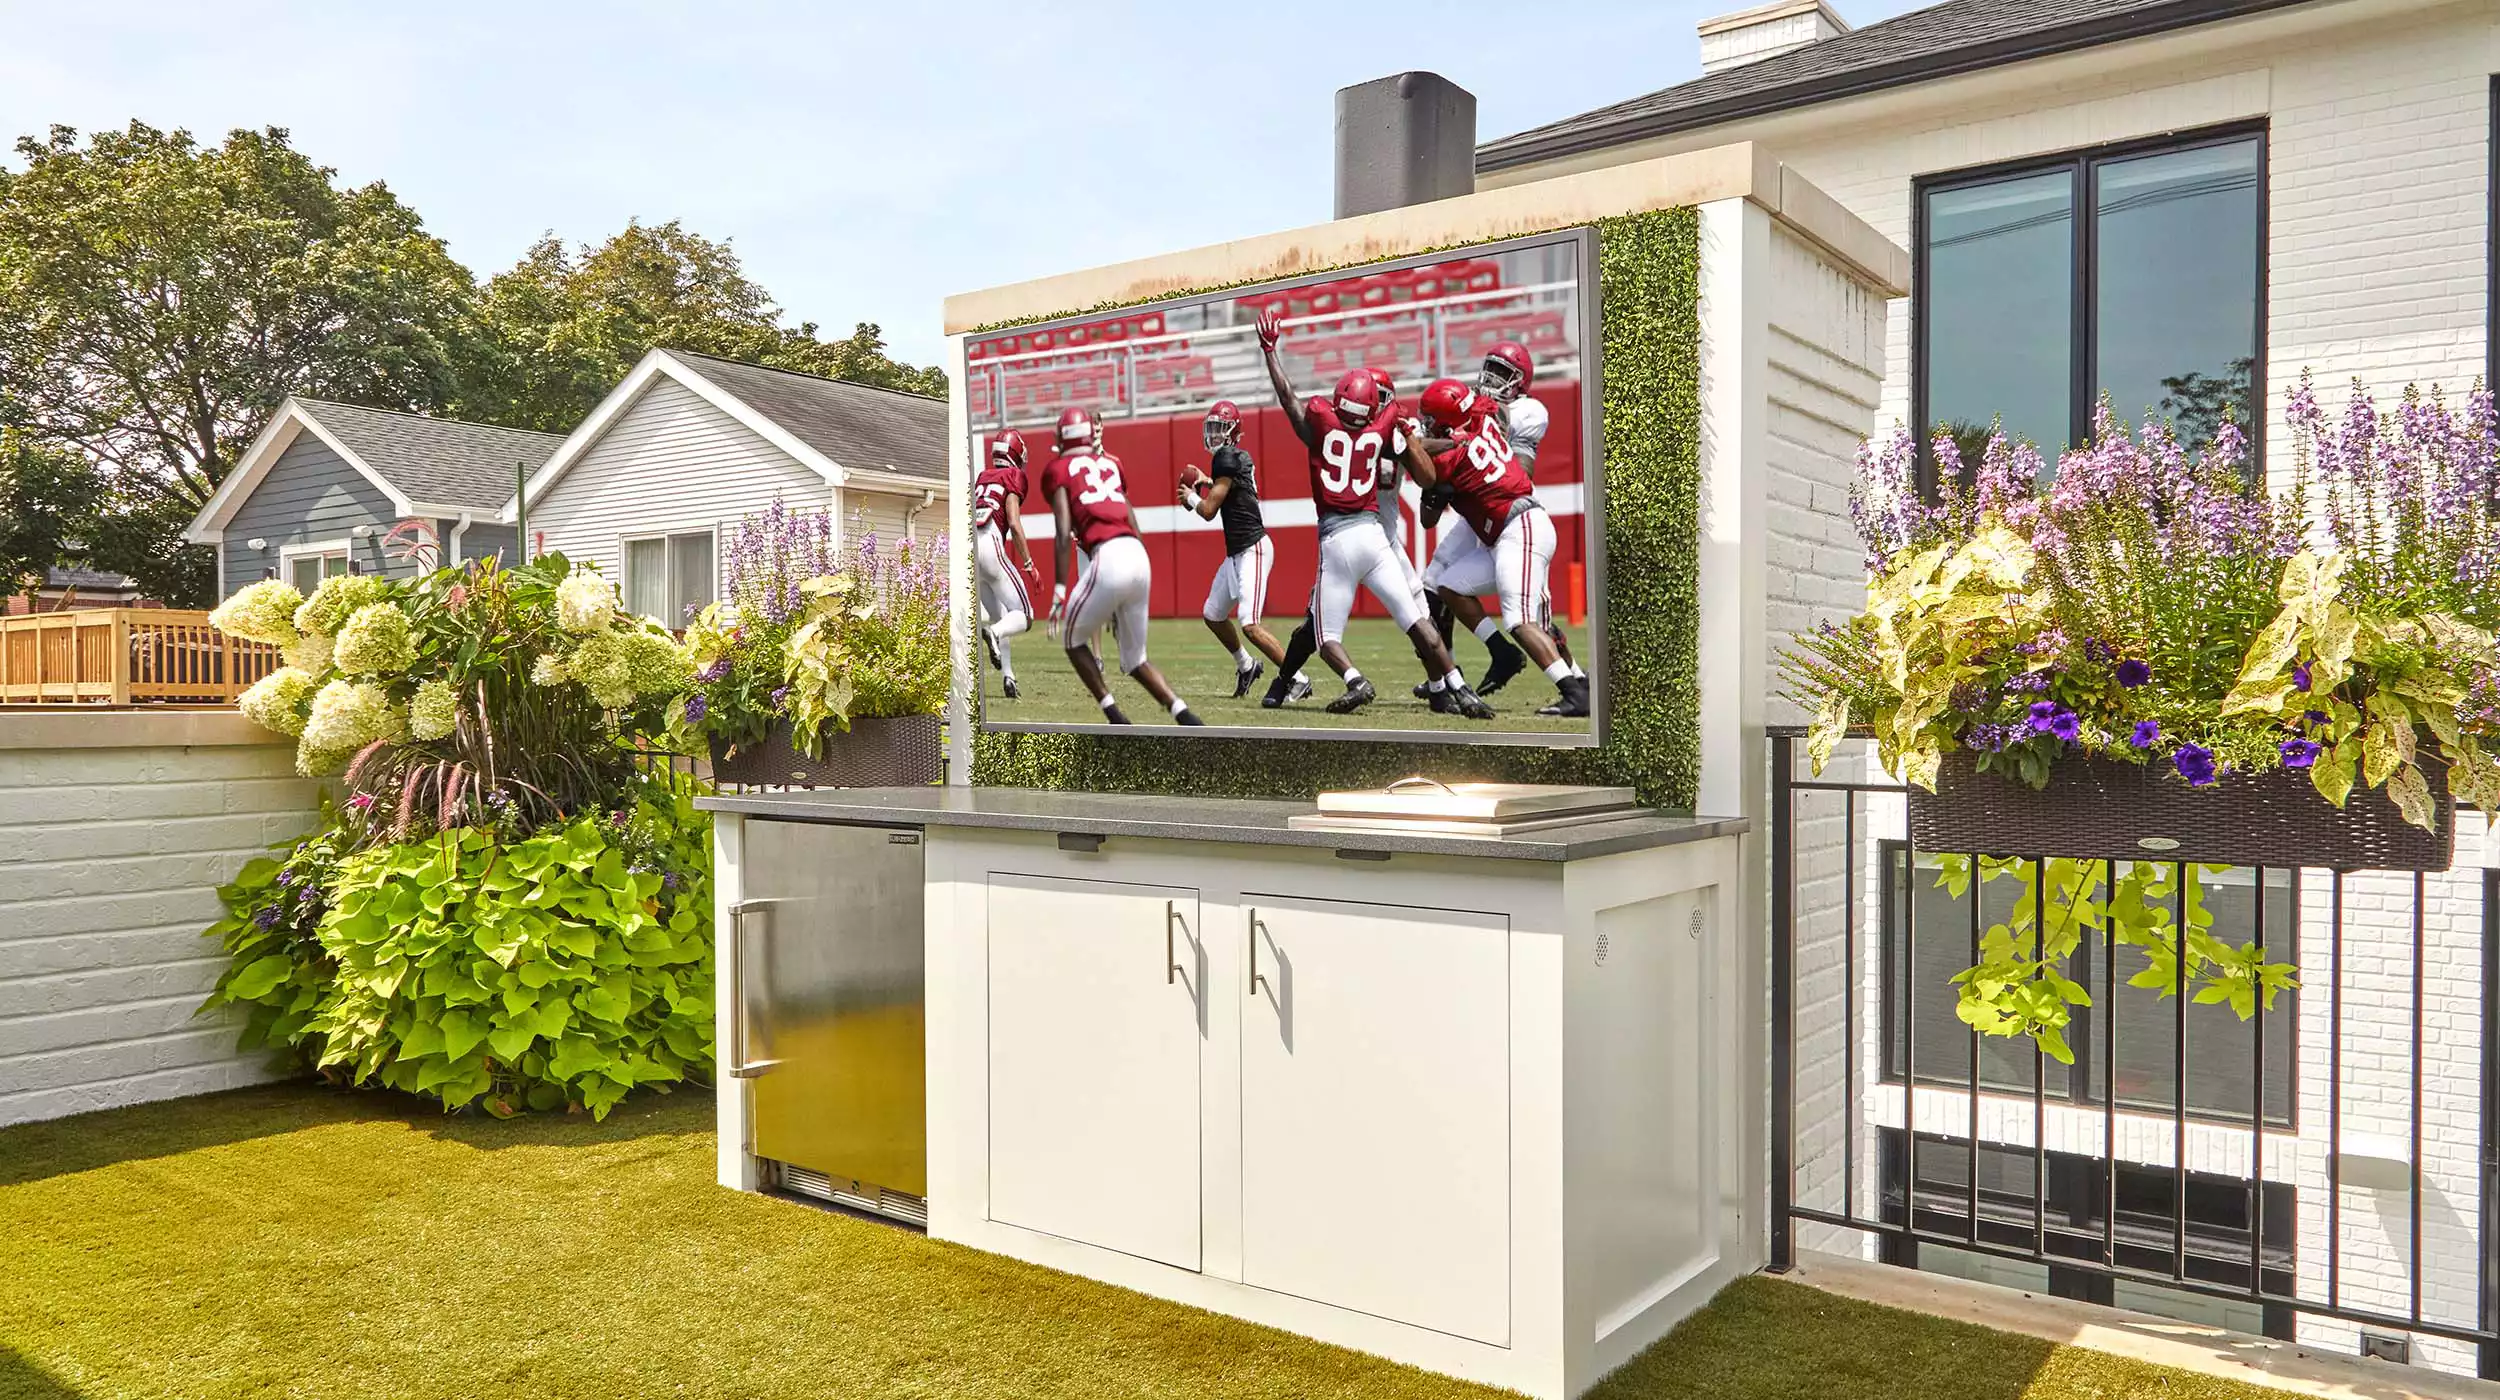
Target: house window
{"x": 306, "y": 571}
{"x": 669, "y": 577}
{"x": 2142, "y": 1027}
{"x": 2136, "y": 272}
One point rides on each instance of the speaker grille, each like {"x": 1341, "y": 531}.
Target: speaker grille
{"x": 853, "y": 1195}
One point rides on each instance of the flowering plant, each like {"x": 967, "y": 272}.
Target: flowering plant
{"x": 2154, "y": 609}
{"x": 474, "y": 696}
{"x": 812, "y": 637}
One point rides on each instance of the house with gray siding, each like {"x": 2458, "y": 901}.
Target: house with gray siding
{"x": 325, "y": 486}
{"x": 649, "y": 484}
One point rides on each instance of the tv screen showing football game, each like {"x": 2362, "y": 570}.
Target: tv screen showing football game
{"x": 1361, "y": 505}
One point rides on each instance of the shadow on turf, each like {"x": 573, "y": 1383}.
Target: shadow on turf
{"x": 88, "y": 1141}
{"x": 21, "y": 1379}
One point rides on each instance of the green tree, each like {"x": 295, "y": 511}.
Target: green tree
{"x": 48, "y": 508}
{"x": 159, "y": 297}
{"x": 565, "y": 326}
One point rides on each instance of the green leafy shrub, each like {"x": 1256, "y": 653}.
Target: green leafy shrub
{"x": 558, "y": 969}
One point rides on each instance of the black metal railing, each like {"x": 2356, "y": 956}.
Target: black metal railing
{"x": 2019, "y": 1175}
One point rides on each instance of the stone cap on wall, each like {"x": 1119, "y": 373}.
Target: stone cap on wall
{"x": 140, "y": 727}
{"x": 1740, "y": 170}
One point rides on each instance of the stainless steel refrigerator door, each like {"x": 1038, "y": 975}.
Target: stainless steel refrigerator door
{"x": 832, "y": 953}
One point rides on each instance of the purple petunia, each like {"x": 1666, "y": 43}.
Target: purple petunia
{"x": 2147, "y": 733}
{"x": 2196, "y": 764}
{"x": 2300, "y": 678}
{"x": 2298, "y": 753}
{"x": 2049, "y": 717}
{"x": 2133, "y": 672}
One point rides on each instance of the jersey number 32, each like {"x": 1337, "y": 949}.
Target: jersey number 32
{"x": 1099, "y": 480}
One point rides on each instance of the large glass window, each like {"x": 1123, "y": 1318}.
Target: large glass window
{"x": 2136, "y": 273}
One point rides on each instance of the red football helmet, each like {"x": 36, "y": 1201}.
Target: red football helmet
{"x": 1223, "y": 425}
{"x": 1358, "y": 398}
{"x": 1450, "y": 404}
{"x": 1078, "y": 427}
{"x": 1007, "y": 449}
{"x": 1507, "y": 372}
{"x": 1388, "y": 385}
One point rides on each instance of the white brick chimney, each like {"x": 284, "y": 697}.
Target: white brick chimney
{"x": 1766, "y": 31}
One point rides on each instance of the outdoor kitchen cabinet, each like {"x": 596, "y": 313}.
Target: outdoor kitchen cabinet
{"x": 1457, "y": 1102}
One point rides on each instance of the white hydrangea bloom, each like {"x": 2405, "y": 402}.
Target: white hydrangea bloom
{"x": 375, "y": 641}
{"x": 309, "y": 653}
{"x": 549, "y": 669}
{"x": 260, "y": 612}
{"x": 276, "y": 700}
{"x": 434, "y": 712}
{"x": 585, "y": 602}
{"x": 347, "y": 715}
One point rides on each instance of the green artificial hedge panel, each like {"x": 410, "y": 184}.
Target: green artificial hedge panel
{"x": 1649, "y": 414}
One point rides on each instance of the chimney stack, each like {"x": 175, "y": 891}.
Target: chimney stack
{"x": 1766, "y": 31}
{"x": 1405, "y": 139}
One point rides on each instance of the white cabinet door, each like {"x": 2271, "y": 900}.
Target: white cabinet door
{"x": 1376, "y": 1111}
{"x": 1093, "y": 1063}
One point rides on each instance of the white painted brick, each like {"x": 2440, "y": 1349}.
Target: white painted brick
{"x": 109, "y": 862}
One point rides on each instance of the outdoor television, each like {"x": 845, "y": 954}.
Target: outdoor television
{"x": 1382, "y": 480}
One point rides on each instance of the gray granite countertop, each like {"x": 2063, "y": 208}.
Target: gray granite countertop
{"x": 1248, "y": 821}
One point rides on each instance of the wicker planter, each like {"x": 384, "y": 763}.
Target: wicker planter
{"x": 903, "y": 751}
{"x": 2103, "y": 809}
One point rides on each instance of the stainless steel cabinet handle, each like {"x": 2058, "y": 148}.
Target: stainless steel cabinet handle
{"x": 1256, "y": 981}
{"x": 1171, "y": 965}
{"x": 740, "y": 1067}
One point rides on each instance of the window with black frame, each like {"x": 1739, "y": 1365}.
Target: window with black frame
{"x": 2135, "y": 272}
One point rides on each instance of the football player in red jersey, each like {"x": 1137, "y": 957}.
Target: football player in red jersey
{"x": 1229, "y": 490}
{"x": 1347, "y": 445}
{"x": 1089, "y": 505}
{"x": 1507, "y": 545}
{"x": 998, "y": 521}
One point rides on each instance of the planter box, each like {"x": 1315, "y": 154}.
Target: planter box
{"x": 2104, "y": 809}
{"x": 904, "y": 751}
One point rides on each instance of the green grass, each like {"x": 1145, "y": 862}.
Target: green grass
{"x": 1201, "y": 671}
{"x": 295, "y": 1241}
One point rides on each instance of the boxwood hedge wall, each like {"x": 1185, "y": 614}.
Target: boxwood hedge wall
{"x": 1649, "y": 412}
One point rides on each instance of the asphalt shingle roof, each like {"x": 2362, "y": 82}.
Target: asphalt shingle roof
{"x": 858, "y": 426}
{"x": 1958, "y": 36}
{"x": 436, "y": 461}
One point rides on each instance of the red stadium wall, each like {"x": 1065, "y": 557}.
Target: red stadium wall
{"x": 1152, "y": 452}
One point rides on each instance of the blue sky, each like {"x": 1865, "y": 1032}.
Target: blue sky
{"x": 865, "y": 160}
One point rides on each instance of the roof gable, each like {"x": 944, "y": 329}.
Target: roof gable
{"x": 1958, "y": 36}
{"x": 423, "y": 466}
{"x": 849, "y": 434}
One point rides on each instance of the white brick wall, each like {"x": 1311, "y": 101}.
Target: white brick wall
{"x": 115, "y": 829}
{"x": 2378, "y": 126}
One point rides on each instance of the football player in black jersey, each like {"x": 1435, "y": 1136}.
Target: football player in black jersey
{"x": 1239, "y": 589}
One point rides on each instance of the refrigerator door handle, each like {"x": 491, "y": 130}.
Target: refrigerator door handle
{"x": 741, "y": 1067}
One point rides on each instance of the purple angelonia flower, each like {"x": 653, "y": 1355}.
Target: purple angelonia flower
{"x": 2196, "y": 764}
{"x": 696, "y": 708}
{"x": 2133, "y": 672}
{"x": 267, "y": 918}
{"x": 2298, "y": 753}
{"x": 780, "y": 695}
{"x": 2300, "y": 678}
{"x": 711, "y": 671}
{"x": 2094, "y": 649}
{"x": 2147, "y": 733}
{"x": 2027, "y": 683}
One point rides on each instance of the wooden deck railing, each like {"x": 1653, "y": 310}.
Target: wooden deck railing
{"x": 123, "y": 656}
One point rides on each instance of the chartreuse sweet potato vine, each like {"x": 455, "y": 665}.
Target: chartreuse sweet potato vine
{"x": 2160, "y": 608}
{"x": 559, "y": 969}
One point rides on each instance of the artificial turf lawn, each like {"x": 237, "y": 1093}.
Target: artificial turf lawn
{"x": 294, "y": 1241}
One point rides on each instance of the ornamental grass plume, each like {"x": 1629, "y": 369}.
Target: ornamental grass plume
{"x": 276, "y": 701}
{"x": 260, "y": 612}
{"x": 374, "y": 641}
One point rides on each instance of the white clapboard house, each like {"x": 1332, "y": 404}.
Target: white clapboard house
{"x": 651, "y": 484}
{"x": 2099, "y": 195}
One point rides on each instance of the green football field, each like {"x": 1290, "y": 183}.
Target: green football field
{"x": 1202, "y": 671}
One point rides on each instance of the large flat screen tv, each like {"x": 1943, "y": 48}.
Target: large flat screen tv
{"x": 1361, "y": 505}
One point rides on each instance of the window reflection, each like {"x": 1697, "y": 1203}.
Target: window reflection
{"x": 1999, "y": 309}
{"x": 2176, "y": 304}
